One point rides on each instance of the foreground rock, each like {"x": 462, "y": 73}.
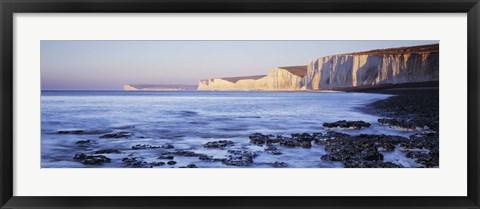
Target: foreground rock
{"x": 401, "y": 124}
{"x": 122, "y": 134}
{"x": 360, "y": 151}
{"x": 92, "y": 159}
{"x": 190, "y": 166}
{"x": 135, "y": 162}
{"x": 138, "y": 162}
{"x": 240, "y": 157}
{"x": 144, "y": 146}
{"x": 279, "y": 164}
{"x": 413, "y": 109}
{"x": 297, "y": 140}
{"x": 108, "y": 151}
{"x": 81, "y": 132}
{"x": 347, "y": 124}
{"x": 218, "y": 144}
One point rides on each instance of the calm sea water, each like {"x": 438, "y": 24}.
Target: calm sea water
{"x": 189, "y": 119}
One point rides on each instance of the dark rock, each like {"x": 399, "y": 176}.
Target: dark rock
{"x": 401, "y": 123}
{"x": 258, "y": 138}
{"x": 280, "y": 164}
{"x": 189, "y": 166}
{"x": 218, "y": 144}
{"x": 121, "y": 134}
{"x": 167, "y": 157}
{"x": 239, "y": 157}
{"x": 171, "y": 162}
{"x": 347, "y": 124}
{"x": 144, "y": 146}
{"x": 371, "y": 164}
{"x": 167, "y": 146}
{"x": 360, "y": 151}
{"x": 92, "y": 159}
{"x": 182, "y": 153}
{"x": 83, "y": 142}
{"x": 108, "y": 151}
{"x": 81, "y": 132}
{"x": 272, "y": 150}
{"x": 157, "y": 163}
{"x": 135, "y": 162}
{"x": 71, "y": 132}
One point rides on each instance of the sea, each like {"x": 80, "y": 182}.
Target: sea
{"x": 189, "y": 119}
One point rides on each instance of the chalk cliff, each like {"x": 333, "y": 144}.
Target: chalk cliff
{"x": 383, "y": 66}
{"x": 279, "y": 78}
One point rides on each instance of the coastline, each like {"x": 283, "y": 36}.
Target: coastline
{"x": 336, "y": 144}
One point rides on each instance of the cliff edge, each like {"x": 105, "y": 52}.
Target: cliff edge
{"x": 368, "y": 68}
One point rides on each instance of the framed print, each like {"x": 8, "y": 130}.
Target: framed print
{"x": 264, "y": 104}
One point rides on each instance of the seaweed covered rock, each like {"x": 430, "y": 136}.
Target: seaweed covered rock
{"x": 218, "y": 144}
{"x": 108, "y": 151}
{"x": 347, "y": 124}
{"x": 136, "y": 162}
{"x": 92, "y": 159}
{"x": 121, "y": 134}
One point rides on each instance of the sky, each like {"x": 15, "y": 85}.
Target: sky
{"x": 108, "y": 65}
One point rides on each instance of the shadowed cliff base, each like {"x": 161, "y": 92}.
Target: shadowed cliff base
{"x": 395, "y": 89}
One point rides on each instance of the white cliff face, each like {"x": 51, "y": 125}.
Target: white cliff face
{"x": 128, "y": 87}
{"x": 388, "y": 66}
{"x": 276, "y": 79}
{"x": 343, "y": 71}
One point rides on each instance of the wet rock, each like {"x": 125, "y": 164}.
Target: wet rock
{"x": 239, "y": 157}
{"x": 347, "y": 124}
{"x": 272, "y": 150}
{"x": 121, "y": 134}
{"x": 83, "y": 142}
{"x": 167, "y": 146}
{"x": 258, "y": 138}
{"x": 157, "y": 163}
{"x": 360, "y": 151}
{"x": 108, "y": 151}
{"x": 81, "y": 132}
{"x": 189, "y": 166}
{"x": 290, "y": 143}
{"x": 371, "y": 164}
{"x": 403, "y": 124}
{"x": 218, "y": 144}
{"x": 166, "y": 157}
{"x": 238, "y": 161}
{"x": 182, "y": 153}
{"x": 303, "y": 137}
{"x": 136, "y": 162}
{"x": 205, "y": 158}
{"x": 279, "y": 164}
{"x": 71, "y": 132}
{"x": 171, "y": 162}
{"x": 243, "y": 152}
{"x": 92, "y": 159}
{"x": 428, "y": 159}
{"x": 298, "y": 140}
{"x": 144, "y": 146}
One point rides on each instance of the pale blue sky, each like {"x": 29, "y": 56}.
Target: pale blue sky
{"x": 107, "y": 65}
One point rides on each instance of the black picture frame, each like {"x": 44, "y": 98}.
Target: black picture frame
{"x": 9, "y": 7}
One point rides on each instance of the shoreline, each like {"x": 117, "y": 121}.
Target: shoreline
{"x": 407, "y": 108}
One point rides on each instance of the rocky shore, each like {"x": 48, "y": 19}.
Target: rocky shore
{"x": 411, "y": 110}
